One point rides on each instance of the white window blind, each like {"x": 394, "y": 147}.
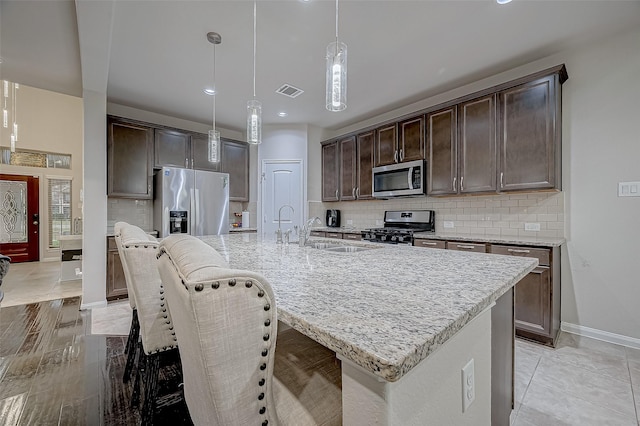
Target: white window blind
{"x": 59, "y": 193}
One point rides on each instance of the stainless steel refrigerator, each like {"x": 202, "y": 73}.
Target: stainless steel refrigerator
{"x": 191, "y": 202}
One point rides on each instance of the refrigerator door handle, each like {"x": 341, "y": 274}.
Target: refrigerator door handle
{"x": 192, "y": 208}
{"x": 198, "y": 231}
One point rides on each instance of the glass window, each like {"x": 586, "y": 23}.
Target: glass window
{"x": 59, "y": 210}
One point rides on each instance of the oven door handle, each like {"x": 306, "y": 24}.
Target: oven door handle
{"x": 410, "y": 178}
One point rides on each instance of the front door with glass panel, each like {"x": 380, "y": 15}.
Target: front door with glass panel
{"x": 19, "y": 218}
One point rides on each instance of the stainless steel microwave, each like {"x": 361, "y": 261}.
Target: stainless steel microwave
{"x": 401, "y": 179}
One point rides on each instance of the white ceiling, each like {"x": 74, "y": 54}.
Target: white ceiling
{"x": 157, "y": 57}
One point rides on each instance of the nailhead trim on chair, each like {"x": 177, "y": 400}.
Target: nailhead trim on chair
{"x": 232, "y": 282}
{"x": 199, "y": 287}
{"x": 248, "y": 283}
{"x": 267, "y": 307}
{"x": 215, "y": 285}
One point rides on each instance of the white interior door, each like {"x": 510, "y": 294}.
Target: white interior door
{"x": 282, "y": 185}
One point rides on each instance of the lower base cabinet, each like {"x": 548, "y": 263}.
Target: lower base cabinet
{"x": 116, "y": 283}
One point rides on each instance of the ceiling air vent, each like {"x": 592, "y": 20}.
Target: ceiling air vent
{"x": 289, "y": 90}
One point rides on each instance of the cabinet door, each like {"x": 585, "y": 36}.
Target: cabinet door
{"x": 533, "y": 302}
{"x": 172, "y": 148}
{"x": 200, "y": 153}
{"x": 528, "y": 138}
{"x": 364, "y": 186}
{"x": 129, "y": 156}
{"x": 116, "y": 283}
{"x": 442, "y": 160}
{"x": 477, "y": 144}
{"x": 386, "y": 148}
{"x": 330, "y": 177}
{"x": 235, "y": 161}
{"x": 411, "y": 144}
{"x": 348, "y": 168}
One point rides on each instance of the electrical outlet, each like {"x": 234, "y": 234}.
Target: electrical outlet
{"x": 449, "y": 224}
{"x": 531, "y": 226}
{"x": 628, "y": 189}
{"x": 468, "y": 386}
{"x": 349, "y": 222}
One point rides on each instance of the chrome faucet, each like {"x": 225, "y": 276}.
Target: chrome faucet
{"x": 279, "y": 231}
{"x": 305, "y": 231}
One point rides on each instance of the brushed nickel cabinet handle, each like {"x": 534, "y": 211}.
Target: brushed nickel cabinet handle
{"x": 519, "y": 251}
{"x": 465, "y": 247}
{"x": 461, "y": 183}
{"x": 501, "y": 179}
{"x": 357, "y": 192}
{"x": 454, "y": 183}
{"x": 336, "y": 193}
{"x": 395, "y": 156}
{"x": 426, "y": 243}
{"x": 401, "y": 155}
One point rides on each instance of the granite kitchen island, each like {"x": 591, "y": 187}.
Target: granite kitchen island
{"x": 403, "y": 320}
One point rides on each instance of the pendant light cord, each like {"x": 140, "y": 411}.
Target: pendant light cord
{"x": 336, "y": 22}
{"x": 215, "y": 90}
{"x": 254, "y": 49}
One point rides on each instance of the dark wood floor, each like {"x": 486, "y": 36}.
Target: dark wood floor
{"x": 54, "y": 372}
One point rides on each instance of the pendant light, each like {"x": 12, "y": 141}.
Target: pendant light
{"x": 336, "y": 88}
{"x": 254, "y": 107}
{"x": 10, "y": 110}
{"x": 214, "y": 135}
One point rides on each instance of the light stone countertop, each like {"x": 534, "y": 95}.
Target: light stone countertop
{"x": 386, "y": 308}
{"x": 524, "y": 241}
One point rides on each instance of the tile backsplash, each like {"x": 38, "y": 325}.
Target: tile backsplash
{"x": 493, "y": 215}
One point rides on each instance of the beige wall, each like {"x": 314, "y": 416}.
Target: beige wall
{"x": 50, "y": 122}
{"x": 601, "y": 147}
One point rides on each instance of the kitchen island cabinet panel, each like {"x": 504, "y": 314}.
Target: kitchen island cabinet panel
{"x": 129, "y": 159}
{"x": 172, "y": 148}
{"x": 235, "y": 161}
{"x": 477, "y": 145}
{"x": 529, "y": 137}
{"x": 442, "y": 158}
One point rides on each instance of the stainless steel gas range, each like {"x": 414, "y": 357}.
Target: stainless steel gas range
{"x": 399, "y": 226}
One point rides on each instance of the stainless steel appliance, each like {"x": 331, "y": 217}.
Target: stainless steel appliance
{"x": 333, "y": 218}
{"x": 402, "y": 179}
{"x": 189, "y": 201}
{"x": 399, "y": 226}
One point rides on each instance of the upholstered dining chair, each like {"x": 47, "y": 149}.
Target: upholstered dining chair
{"x": 157, "y": 338}
{"x": 227, "y": 327}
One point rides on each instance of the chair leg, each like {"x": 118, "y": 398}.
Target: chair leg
{"x": 150, "y": 388}
{"x": 130, "y": 349}
{"x": 135, "y": 396}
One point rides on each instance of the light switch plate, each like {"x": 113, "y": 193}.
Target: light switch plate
{"x": 449, "y": 224}
{"x": 628, "y": 189}
{"x": 531, "y": 226}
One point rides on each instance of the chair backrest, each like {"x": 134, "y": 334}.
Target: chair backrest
{"x": 226, "y": 324}
{"x": 138, "y": 252}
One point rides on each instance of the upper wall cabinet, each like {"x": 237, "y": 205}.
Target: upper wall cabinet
{"x": 330, "y": 170}
{"x": 129, "y": 159}
{"x": 411, "y": 140}
{"x": 235, "y": 161}
{"x": 529, "y": 135}
{"x": 364, "y": 152}
{"x": 172, "y": 148}
{"x": 442, "y": 152}
{"x": 348, "y": 168}
{"x": 200, "y": 153}
{"x": 386, "y": 145}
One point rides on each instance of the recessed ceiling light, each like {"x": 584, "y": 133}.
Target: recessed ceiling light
{"x": 209, "y": 92}
{"x": 282, "y": 114}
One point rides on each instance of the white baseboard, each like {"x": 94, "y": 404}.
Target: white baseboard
{"x": 605, "y": 336}
{"x": 85, "y": 306}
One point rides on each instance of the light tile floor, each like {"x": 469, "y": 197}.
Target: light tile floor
{"x": 31, "y": 282}
{"x": 580, "y": 382}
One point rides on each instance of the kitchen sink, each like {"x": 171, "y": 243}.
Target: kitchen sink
{"x": 324, "y": 246}
{"x": 348, "y": 249}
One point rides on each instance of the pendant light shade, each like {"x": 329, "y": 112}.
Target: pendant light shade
{"x": 336, "y": 88}
{"x": 336, "y": 76}
{"x": 254, "y": 122}
{"x": 10, "y": 110}
{"x": 213, "y": 152}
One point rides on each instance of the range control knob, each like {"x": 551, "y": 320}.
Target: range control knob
{"x": 400, "y": 239}
{"x": 394, "y": 238}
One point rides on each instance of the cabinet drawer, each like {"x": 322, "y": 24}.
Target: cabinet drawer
{"x": 346, "y": 236}
{"x": 317, "y": 233}
{"x": 430, "y": 243}
{"x": 541, "y": 254}
{"x": 476, "y": 247}
{"x": 334, "y": 235}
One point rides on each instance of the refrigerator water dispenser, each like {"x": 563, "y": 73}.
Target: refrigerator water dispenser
{"x": 178, "y": 222}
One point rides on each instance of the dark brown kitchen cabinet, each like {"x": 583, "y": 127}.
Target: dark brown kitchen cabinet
{"x": 200, "y": 153}
{"x": 172, "y": 148}
{"x": 364, "y": 148}
{"x": 352, "y": 236}
{"x": 537, "y": 295}
{"x": 464, "y": 246}
{"x": 317, "y": 234}
{"x": 116, "y": 284}
{"x": 235, "y": 161}
{"x": 423, "y": 242}
{"x": 442, "y": 152}
{"x": 411, "y": 139}
{"x": 330, "y": 172}
{"x": 348, "y": 180}
{"x": 129, "y": 159}
{"x": 529, "y": 136}
{"x": 386, "y": 145}
{"x": 477, "y": 145}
